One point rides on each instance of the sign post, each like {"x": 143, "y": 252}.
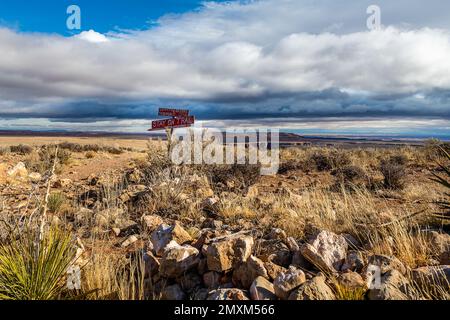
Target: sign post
{"x": 179, "y": 119}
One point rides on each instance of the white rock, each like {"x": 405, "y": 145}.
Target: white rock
{"x": 327, "y": 251}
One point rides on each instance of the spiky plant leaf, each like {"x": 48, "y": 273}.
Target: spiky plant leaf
{"x": 444, "y": 181}
{"x": 33, "y": 269}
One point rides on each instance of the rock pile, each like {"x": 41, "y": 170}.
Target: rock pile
{"x": 220, "y": 265}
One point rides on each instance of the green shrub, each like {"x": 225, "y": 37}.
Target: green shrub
{"x": 45, "y": 158}
{"x": 56, "y": 201}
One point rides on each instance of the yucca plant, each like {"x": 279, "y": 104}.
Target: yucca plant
{"x": 34, "y": 269}
{"x": 445, "y": 181}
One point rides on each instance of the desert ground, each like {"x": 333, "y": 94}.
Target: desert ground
{"x": 110, "y": 218}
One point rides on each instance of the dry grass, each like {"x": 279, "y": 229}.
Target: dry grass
{"x": 343, "y": 191}
{"x": 113, "y": 277}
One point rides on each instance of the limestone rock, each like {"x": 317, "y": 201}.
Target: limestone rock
{"x": 248, "y": 271}
{"x": 273, "y": 270}
{"x": 35, "y": 177}
{"x": 288, "y": 281}
{"x": 151, "y": 222}
{"x": 314, "y": 289}
{"x": 351, "y": 280}
{"x": 227, "y": 252}
{"x": 327, "y": 251}
{"x": 393, "y": 286}
{"x": 353, "y": 262}
{"x": 178, "y": 259}
{"x": 432, "y": 275}
{"x": 262, "y": 289}
{"x": 164, "y": 234}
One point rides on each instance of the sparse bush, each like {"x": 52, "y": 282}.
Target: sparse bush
{"x": 234, "y": 178}
{"x": 56, "y": 202}
{"x": 399, "y": 159}
{"x": 393, "y": 172}
{"x": 21, "y": 149}
{"x": 76, "y": 147}
{"x": 90, "y": 154}
{"x": 34, "y": 269}
{"x": 326, "y": 161}
{"x": 43, "y": 161}
{"x": 291, "y": 165}
{"x": 4, "y": 150}
{"x": 350, "y": 176}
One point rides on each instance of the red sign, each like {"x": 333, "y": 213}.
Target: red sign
{"x": 173, "y": 113}
{"x": 172, "y": 123}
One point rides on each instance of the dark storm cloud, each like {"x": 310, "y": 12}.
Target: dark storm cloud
{"x": 240, "y": 60}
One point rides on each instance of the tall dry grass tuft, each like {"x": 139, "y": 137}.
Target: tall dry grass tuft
{"x": 113, "y": 277}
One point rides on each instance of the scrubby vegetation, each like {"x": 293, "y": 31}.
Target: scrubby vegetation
{"x": 378, "y": 203}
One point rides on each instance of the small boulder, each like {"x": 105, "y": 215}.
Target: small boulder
{"x": 353, "y": 262}
{"x": 178, "y": 259}
{"x": 262, "y": 289}
{"x": 35, "y": 177}
{"x": 226, "y": 252}
{"x": 432, "y": 276}
{"x": 314, "y": 289}
{"x": 151, "y": 222}
{"x": 327, "y": 251}
{"x": 351, "y": 280}
{"x": 173, "y": 292}
{"x": 273, "y": 270}
{"x": 287, "y": 281}
{"x": 248, "y": 271}
{"x": 164, "y": 234}
{"x": 19, "y": 171}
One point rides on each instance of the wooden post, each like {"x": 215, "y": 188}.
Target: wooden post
{"x": 169, "y": 132}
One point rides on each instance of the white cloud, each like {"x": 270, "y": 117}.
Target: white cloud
{"x": 232, "y": 52}
{"x": 92, "y": 36}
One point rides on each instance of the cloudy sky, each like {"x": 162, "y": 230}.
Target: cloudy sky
{"x": 306, "y": 65}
